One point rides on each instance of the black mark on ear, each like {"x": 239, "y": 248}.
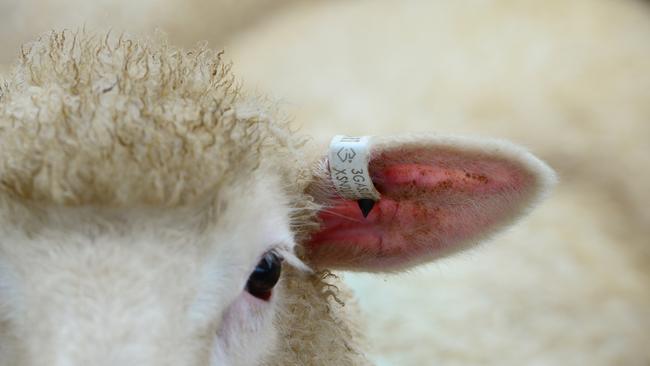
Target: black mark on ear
{"x": 366, "y": 205}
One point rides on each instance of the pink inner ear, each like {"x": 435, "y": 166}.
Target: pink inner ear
{"x": 433, "y": 202}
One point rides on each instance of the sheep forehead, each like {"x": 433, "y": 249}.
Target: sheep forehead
{"x": 246, "y": 218}
{"x": 200, "y": 273}
{"x": 111, "y": 120}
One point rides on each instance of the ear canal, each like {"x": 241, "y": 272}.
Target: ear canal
{"x": 438, "y": 196}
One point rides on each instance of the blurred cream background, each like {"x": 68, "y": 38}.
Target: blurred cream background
{"x": 569, "y": 285}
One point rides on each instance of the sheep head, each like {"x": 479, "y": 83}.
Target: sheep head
{"x": 147, "y": 206}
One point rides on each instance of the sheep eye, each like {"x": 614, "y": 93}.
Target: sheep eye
{"x": 265, "y": 276}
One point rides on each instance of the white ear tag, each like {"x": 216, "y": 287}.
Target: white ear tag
{"x": 348, "y": 165}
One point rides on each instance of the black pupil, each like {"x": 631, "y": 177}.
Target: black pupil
{"x": 265, "y": 276}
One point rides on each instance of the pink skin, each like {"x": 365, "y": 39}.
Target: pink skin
{"x": 427, "y": 206}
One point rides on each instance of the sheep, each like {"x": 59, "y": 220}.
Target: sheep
{"x": 569, "y": 83}
{"x": 152, "y": 213}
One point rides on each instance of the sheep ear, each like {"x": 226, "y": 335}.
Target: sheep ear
{"x": 439, "y": 195}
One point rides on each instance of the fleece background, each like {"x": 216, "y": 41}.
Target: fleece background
{"x": 571, "y": 80}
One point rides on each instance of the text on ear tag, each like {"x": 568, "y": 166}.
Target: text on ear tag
{"x": 348, "y": 164}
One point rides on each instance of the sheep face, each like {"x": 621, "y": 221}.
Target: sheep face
{"x": 93, "y": 286}
{"x": 145, "y": 203}
{"x": 138, "y": 192}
